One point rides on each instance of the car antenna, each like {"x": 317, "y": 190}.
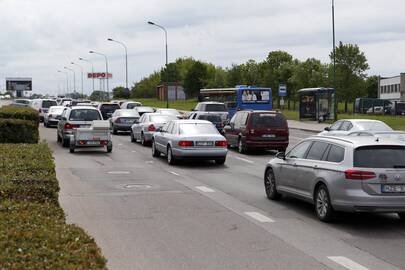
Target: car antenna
{"x": 377, "y": 139}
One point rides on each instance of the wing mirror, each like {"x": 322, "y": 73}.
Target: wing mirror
{"x": 327, "y": 129}
{"x": 280, "y": 155}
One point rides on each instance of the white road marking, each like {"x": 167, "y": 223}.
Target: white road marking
{"x": 243, "y": 159}
{"x": 174, "y": 173}
{"x": 259, "y": 217}
{"x": 347, "y": 263}
{"x": 120, "y": 144}
{"x": 205, "y": 189}
{"x": 119, "y": 172}
{"x": 133, "y": 151}
{"x": 149, "y": 162}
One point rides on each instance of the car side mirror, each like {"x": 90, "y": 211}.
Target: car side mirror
{"x": 280, "y": 155}
{"x": 327, "y": 129}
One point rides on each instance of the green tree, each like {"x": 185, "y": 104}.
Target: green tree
{"x": 98, "y": 96}
{"x": 146, "y": 87}
{"x": 170, "y": 73}
{"x": 235, "y": 75}
{"x": 120, "y": 92}
{"x": 195, "y": 78}
{"x": 310, "y": 73}
{"x": 371, "y": 85}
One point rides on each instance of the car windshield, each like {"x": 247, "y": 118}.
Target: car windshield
{"x": 161, "y": 118}
{"x": 84, "y": 115}
{"x": 379, "y": 157}
{"x": 210, "y": 117}
{"x": 48, "y": 103}
{"x": 274, "y": 120}
{"x": 197, "y": 129}
{"x": 128, "y": 113}
{"x": 56, "y": 110}
{"x": 132, "y": 105}
{"x": 380, "y": 126}
{"x": 109, "y": 107}
{"x": 216, "y": 108}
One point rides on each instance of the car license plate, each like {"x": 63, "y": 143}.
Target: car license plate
{"x": 128, "y": 121}
{"x": 93, "y": 142}
{"x": 393, "y": 188}
{"x": 269, "y": 136}
{"x": 204, "y": 143}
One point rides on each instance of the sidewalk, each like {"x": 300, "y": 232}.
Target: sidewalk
{"x": 310, "y": 126}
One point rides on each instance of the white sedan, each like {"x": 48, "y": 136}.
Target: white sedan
{"x": 346, "y": 126}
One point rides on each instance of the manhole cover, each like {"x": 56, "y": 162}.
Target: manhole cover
{"x": 119, "y": 172}
{"x": 138, "y": 186}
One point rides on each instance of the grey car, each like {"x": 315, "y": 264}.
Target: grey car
{"x": 351, "y": 174}
{"x": 394, "y": 135}
{"x": 346, "y": 126}
{"x": 189, "y": 139}
{"x": 144, "y": 129}
{"x": 52, "y": 117}
{"x": 123, "y": 119}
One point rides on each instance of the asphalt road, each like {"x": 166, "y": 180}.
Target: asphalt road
{"x": 145, "y": 214}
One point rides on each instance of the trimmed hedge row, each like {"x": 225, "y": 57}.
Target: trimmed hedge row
{"x": 27, "y": 172}
{"x": 35, "y": 236}
{"x": 18, "y": 131}
{"x": 23, "y": 113}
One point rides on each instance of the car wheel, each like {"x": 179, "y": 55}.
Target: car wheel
{"x": 65, "y": 142}
{"x": 170, "y": 158}
{"x": 72, "y": 148}
{"x": 241, "y": 146}
{"x": 109, "y": 147}
{"x": 115, "y": 132}
{"x": 220, "y": 161}
{"x": 270, "y": 186}
{"x": 132, "y": 137}
{"x": 402, "y": 216}
{"x": 155, "y": 152}
{"x": 323, "y": 206}
{"x": 143, "y": 141}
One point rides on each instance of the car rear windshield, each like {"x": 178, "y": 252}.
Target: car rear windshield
{"x": 197, "y": 129}
{"x": 161, "y": 118}
{"x": 84, "y": 115}
{"x": 128, "y": 113}
{"x": 133, "y": 105}
{"x": 56, "y": 110}
{"x": 109, "y": 107}
{"x": 379, "y": 126}
{"x": 273, "y": 120}
{"x": 211, "y": 118}
{"x": 215, "y": 108}
{"x": 380, "y": 157}
{"x": 48, "y": 103}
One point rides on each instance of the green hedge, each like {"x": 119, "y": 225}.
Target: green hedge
{"x": 36, "y": 236}
{"x": 18, "y": 131}
{"x": 23, "y": 113}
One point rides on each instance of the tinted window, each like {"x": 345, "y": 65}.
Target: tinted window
{"x": 109, "y": 107}
{"x": 380, "y": 126}
{"x": 132, "y": 105}
{"x": 48, "y": 103}
{"x": 300, "y": 150}
{"x": 268, "y": 120}
{"x": 379, "y": 157}
{"x": 346, "y": 126}
{"x": 336, "y": 154}
{"x": 215, "y": 108}
{"x": 336, "y": 125}
{"x": 84, "y": 115}
{"x": 210, "y": 117}
{"x": 197, "y": 129}
{"x": 317, "y": 151}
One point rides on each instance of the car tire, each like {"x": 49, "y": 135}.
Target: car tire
{"x": 241, "y": 146}
{"x": 323, "y": 206}
{"x": 143, "y": 141}
{"x": 401, "y": 216}
{"x": 220, "y": 161}
{"x": 133, "y": 140}
{"x": 270, "y": 186}
{"x": 155, "y": 152}
{"x": 71, "y": 148}
{"x": 65, "y": 142}
{"x": 115, "y": 132}
{"x": 170, "y": 158}
{"x": 109, "y": 147}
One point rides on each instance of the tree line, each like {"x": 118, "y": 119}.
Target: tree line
{"x": 278, "y": 67}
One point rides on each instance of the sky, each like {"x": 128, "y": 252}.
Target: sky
{"x": 38, "y": 38}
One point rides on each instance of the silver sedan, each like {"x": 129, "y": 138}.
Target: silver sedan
{"x": 147, "y": 125}
{"x": 189, "y": 139}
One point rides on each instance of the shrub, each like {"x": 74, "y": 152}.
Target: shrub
{"x": 27, "y": 172}
{"x": 23, "y": 113}
{"x": 18, "y": 131}
{"x": 35, "y": 236}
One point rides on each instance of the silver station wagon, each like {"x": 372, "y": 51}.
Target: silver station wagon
{"x": 351, "y": 174}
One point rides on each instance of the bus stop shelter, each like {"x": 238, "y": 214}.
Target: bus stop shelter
{"x": 317, "y": 104}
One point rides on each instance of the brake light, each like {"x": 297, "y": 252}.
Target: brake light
{"x": 70, "y": 126}
{"x": 103, "y": 142}
{"x": 221, "y": 143}
{"x": 151, "y": 127}
{"x": 82, "y": 142}
{"x": 186, "y": 143}
{"x": 359, "y": 175}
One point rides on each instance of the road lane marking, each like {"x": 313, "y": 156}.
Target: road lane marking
{"x": 205, "y": 189}
{"x": 119, "y": 172}
{"x": 243, "y": 159}
{"x": 174, "y": 173}
{"x": 149, "y": 162}
{"x": 347, "y": 263}
{"x": 120, "y": 144}
{"x": 259, "y": 217}
{"x": 133, "y": 151}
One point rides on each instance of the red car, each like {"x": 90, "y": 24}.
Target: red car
{"x": 248, "y": 130}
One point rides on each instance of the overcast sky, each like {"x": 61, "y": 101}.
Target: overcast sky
{"x": 39, "y": 37}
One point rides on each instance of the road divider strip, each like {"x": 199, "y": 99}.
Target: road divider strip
{"x": 347, "y": 263}
{"x": 259, "y": 217}
{"x": 205, "y": 189}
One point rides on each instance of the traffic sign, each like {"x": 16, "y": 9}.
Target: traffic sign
{"x": 282, "y": 90}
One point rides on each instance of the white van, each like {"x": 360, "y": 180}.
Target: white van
{"x": 42, "y": 106}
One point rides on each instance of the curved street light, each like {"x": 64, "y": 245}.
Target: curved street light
{"x": 92, "y": 68}
{"x": 106, "y": 70}
{"x": 126, "y": 60}
{"x": 81, "y": 68}
{"x": 74, "y": 78}
{"x": 67, "y": 80}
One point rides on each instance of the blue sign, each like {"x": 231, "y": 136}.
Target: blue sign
{"x": 282, "y": 90}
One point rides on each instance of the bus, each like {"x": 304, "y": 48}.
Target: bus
{"x": 240, "y": 98}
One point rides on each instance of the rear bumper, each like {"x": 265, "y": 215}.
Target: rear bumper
{"x": 123, "y": 127}
{"x": 52, "y": 122}
{"x": 266, "y": 144}
{"x": 200, "y": 153}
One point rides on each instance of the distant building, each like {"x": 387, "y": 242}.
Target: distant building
{"x": 392, "y": 88}
{"x": 175, "y": 91}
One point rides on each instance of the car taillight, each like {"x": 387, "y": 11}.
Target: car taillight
{"x": 118, "y": 120}
{"x": 103, "y": 142}
{"x": 186, "y": 143}
{"x": 252, "y": 131}
{"x": 359, "y": 175}
{"x": 70, "y": 126}
{"x": 221, "y": 143}
{"x": 151, "y": 127}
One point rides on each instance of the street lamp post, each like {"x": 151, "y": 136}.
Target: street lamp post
{"x": 92, "y": 68}
{"x": 106, "y": 70}
{"x": 126, "y": 60}
{"x": 334, "y": 55}
{"x": 81, "y": 68}
{"x": 67, "y": 80}
{"x": 167, "y": 74}
{"x": 74, "y": 78}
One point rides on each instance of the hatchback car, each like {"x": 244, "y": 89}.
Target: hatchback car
{"x": 189, "y": 139}
{"x": 107, "y": 109}
{"x": 75, "y": 117}
{"x": 267, "y": 130}
{"x": 351, "y": 173}
{"x": 123, "y": 119}
{"x": 42, "y": 106}
{"x": 53, "y": 116}
{"x": 346, "y": 126}
{"x": 147, "y": 125}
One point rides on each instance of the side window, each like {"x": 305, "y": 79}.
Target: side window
{"x": 336, "y": 154}
{"x": 336, "y": 125}
{"x": 165, "y": 128}
{"x": 350, "y": 126}
{"x": 299, "y": 150}
{"x": 172, "y": 128}
{"x": 317, "y": 150}
{"x": 194, "y": 116}
{"x": 238, "y": 118}
{"x": 345, "y": 126}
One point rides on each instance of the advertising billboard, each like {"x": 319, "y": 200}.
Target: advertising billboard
{"x": 19, "y": 84}
{"x": 98, "y": 75}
